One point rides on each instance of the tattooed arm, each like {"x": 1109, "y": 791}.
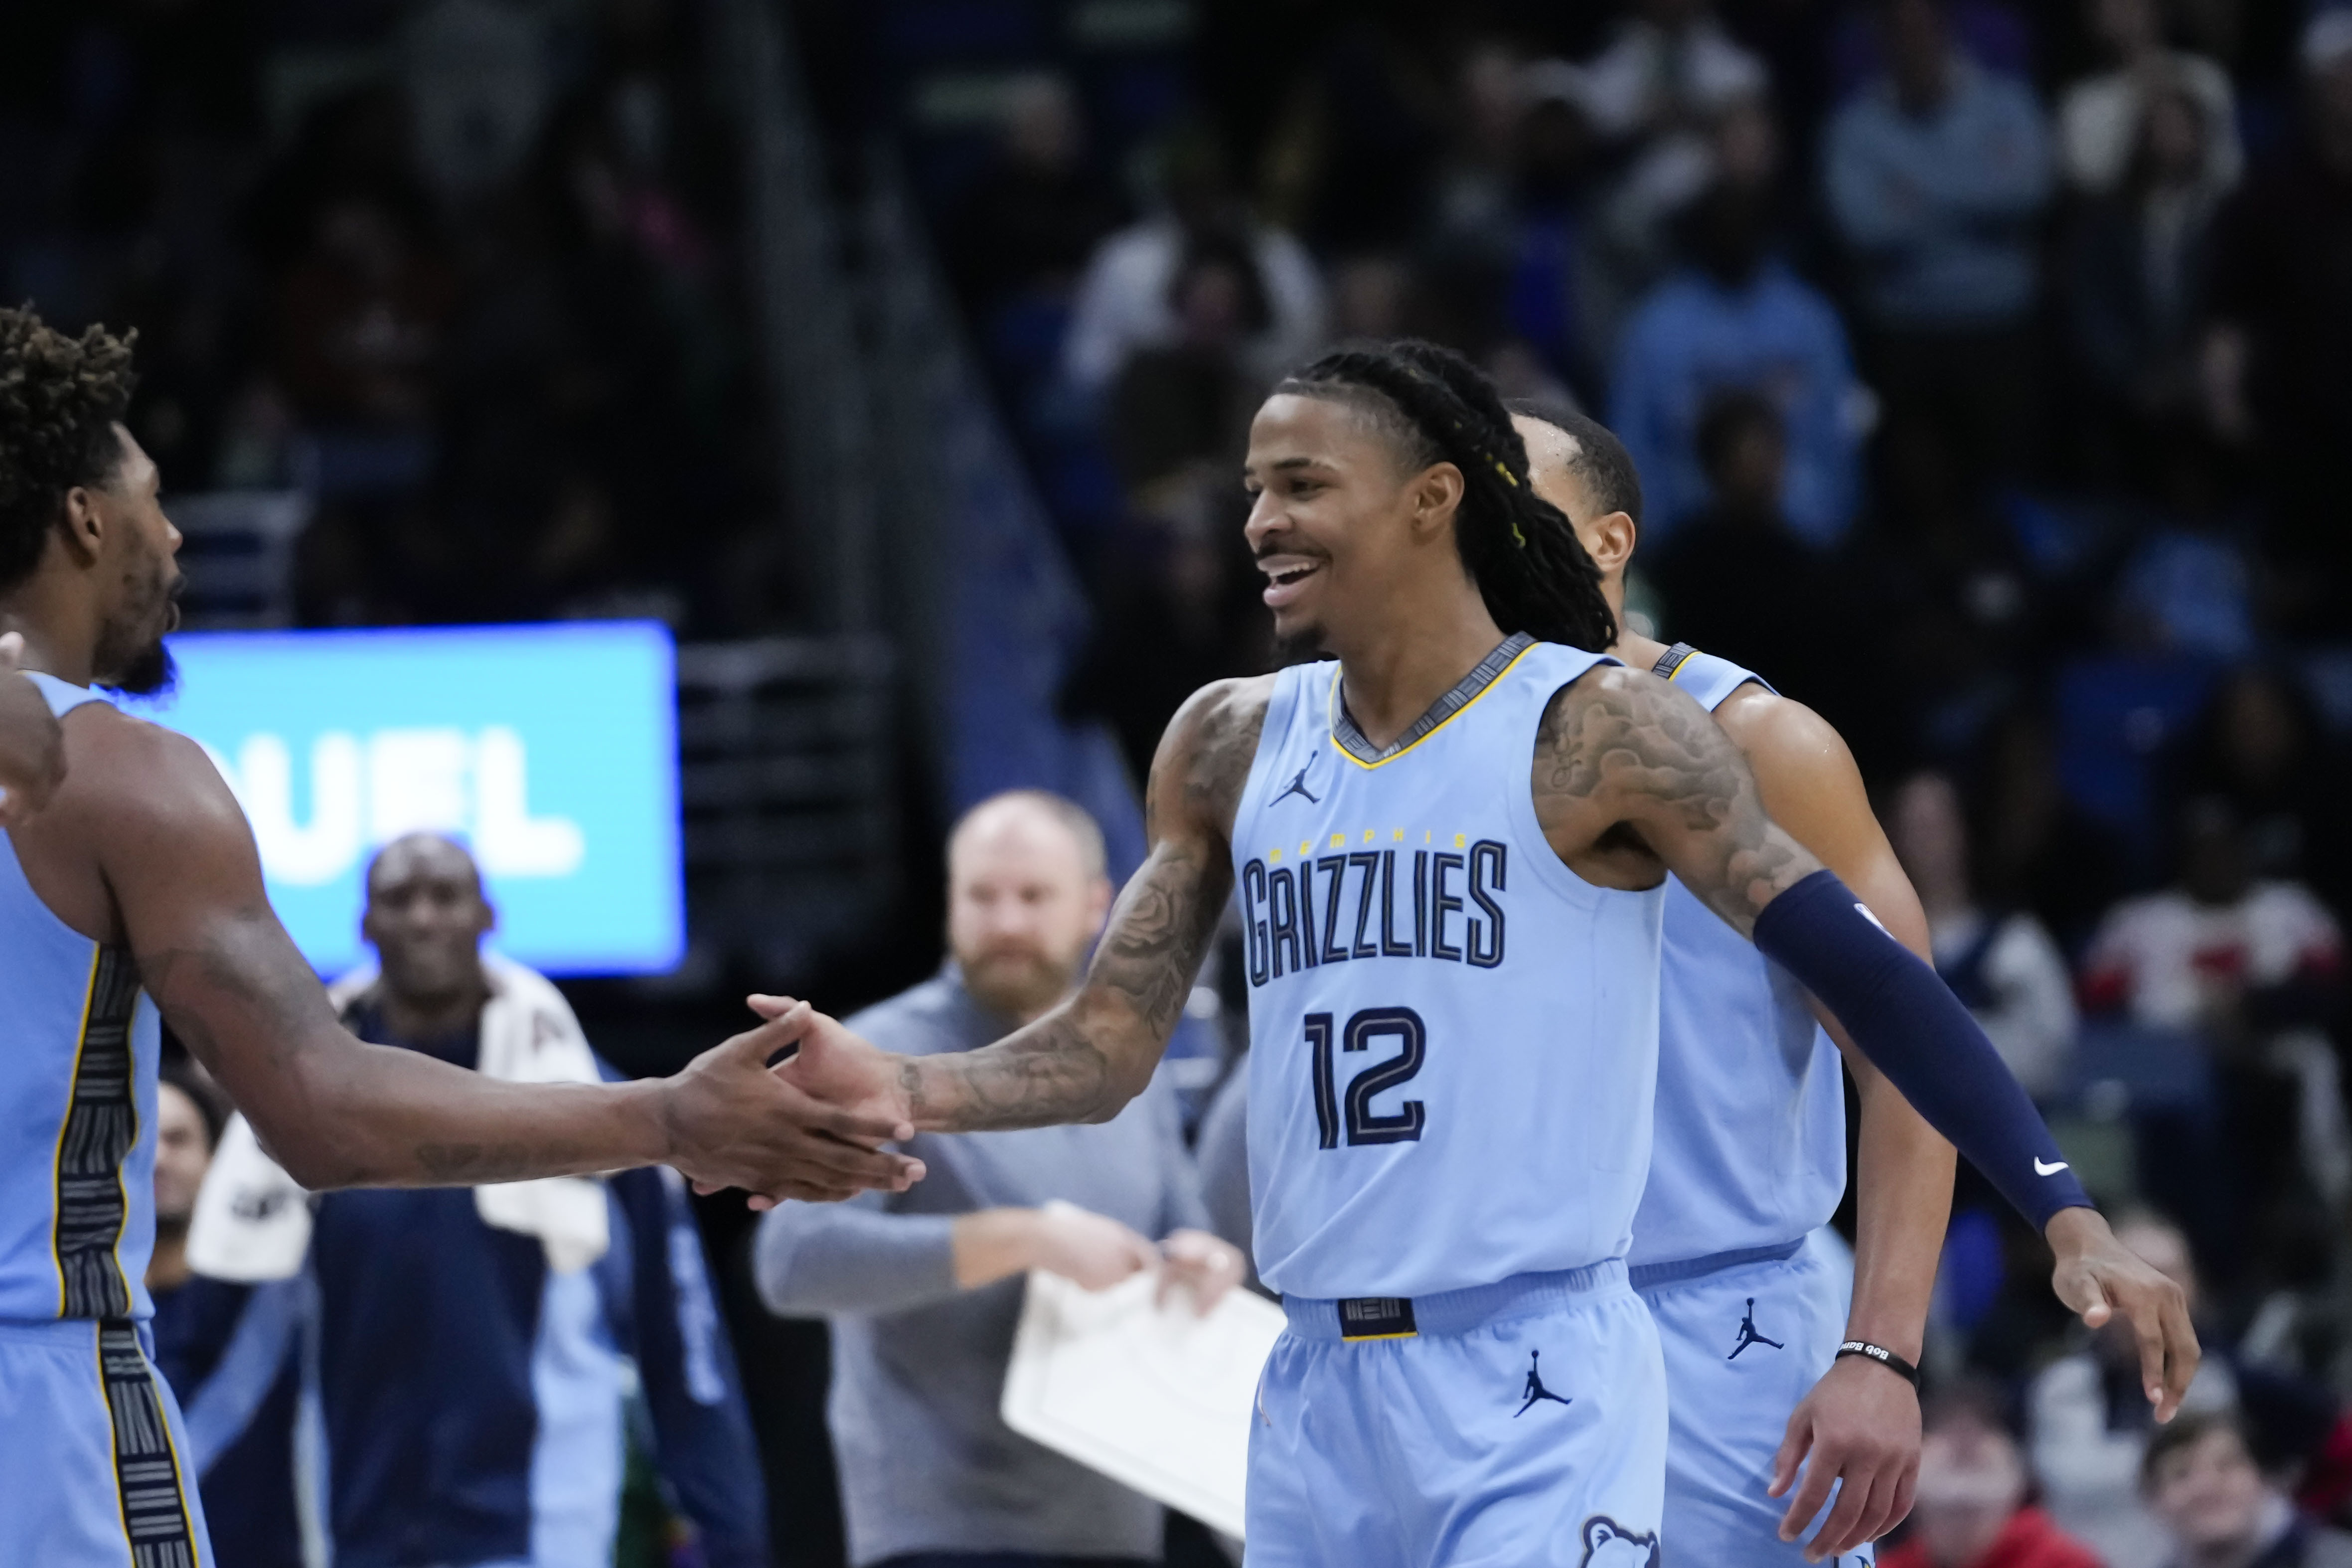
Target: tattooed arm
{"x": 1630, "y": 773}
{"x": 1090, "y": 1055}
{"x": 1631, "y": 776}
{"x": 145, "y": 828}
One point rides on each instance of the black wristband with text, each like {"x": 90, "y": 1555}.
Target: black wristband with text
{"x": 1882, "y": 1356}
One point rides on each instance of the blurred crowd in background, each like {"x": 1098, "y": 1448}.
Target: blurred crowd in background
{"x": 1988, "y": 367}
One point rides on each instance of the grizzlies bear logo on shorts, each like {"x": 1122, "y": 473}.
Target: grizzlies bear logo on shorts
{"x": 1609, "y": 1544}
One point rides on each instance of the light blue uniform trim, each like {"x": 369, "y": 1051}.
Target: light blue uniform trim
{"x": 1533, "y": 1439}
{"x": 1459, "y": 1311}
{"x": 1444, "y": 922}
{"x": 576, "y": 1463}
{"x": 61, "y": 1504}
{"x": 1748, "y": 1164}
{"x": 1749, "y": 1144}
{"x": 1651, "y": 1276}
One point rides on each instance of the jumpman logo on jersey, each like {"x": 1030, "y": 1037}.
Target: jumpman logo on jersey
{"x": 1748, "y": 1334}
{"x": 1535, "y": 1389}
{"x": 1297, "y": 785}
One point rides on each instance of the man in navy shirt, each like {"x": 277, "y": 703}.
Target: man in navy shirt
{"x": 470, "y": 1344}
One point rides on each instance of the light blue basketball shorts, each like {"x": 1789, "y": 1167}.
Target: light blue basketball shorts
{"x": 1521, "y": 1424}
{"x": 1744, "y": 1341}
{"x": 91, "y": 1446}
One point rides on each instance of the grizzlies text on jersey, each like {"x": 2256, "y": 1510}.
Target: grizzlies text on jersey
{"x": 1453, "y": 1036}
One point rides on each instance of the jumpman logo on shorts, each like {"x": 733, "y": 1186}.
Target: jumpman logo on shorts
{"x": 1297, "y": 785}
{"x": 1535, "y": 1389}
{"x": 1748, "y": 1334}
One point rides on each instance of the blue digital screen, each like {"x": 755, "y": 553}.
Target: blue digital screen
{"x": 549, "y": 751}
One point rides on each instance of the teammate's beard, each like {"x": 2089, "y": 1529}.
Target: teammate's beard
{"x": 152, "y": 673}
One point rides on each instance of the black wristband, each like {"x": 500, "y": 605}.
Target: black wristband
{"x": 1882, "y": 1356}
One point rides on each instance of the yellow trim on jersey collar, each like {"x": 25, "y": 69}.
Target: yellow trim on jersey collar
{"x": 1331, "y": 715}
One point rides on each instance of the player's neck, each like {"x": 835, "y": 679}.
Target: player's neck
{"x": 1399, "y": 676}
{"x": 54, "y": 644}
{"x": 1636, "y": 651}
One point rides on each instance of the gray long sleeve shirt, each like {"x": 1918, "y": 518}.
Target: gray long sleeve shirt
{"x": 918, "y": 1364}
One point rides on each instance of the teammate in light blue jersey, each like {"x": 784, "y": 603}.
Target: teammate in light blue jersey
{"x": 135, "y": 888}
{"x": 1748, "y": 1156}
{"x": 1450, "y": 844}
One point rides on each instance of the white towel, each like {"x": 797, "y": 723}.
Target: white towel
{"x": 252, "y": 1221}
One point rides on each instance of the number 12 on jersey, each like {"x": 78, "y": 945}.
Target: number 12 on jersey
{"x": 1353, "y": 1109}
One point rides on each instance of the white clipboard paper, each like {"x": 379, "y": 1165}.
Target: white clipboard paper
{"x": 1158, "y": 1398}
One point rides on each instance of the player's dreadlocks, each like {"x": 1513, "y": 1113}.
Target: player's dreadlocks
{"x": 59, "y": 400}
{"x": 1520, "y": 549}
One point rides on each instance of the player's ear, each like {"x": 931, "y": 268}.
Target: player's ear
{"x": 1609, "y": 541}
{"x": 80, "y": 525}
{"x": 1436, "y": 493}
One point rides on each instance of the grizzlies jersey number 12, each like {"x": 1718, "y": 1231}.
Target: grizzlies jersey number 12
{"x": 1454, "y": 1038}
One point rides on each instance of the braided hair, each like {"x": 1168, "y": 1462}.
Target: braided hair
{"x": 59, "y": 400}
{"x": 1521, "y": 550}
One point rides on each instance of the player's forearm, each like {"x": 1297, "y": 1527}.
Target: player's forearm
{"x": 1087, "y": 1058}
{"x": 1914, "y": 1030}
{"x": 1902, "y": 1199}
{"x": 379, "y": 1116}
{"x": 1081, "y": 1062}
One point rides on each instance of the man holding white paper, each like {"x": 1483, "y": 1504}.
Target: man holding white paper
{"x": 924, "y": 1287}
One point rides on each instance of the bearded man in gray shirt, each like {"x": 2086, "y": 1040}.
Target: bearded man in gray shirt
{"x": 924, "y": 1287}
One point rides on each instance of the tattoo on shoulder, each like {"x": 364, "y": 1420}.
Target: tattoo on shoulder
{"x": 1068, "y": 1064}
{"x": 1647, "y": 751}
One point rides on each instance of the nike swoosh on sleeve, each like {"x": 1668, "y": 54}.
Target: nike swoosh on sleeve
{"x": 2042, "y": 1169}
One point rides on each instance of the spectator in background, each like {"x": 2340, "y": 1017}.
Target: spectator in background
{"x": 1034, "y": 217}
{"x": 2103, "y": 118}
{"x": 469, "y": 1346}
{"x": 2087, "y": 1424}
{"x": 1189, "y": 401}
{"x": 1655, "y": 96}
{"x": 2001, "y": 963}
{"x": 235, "y": 1386}
{"x": 2138, "y": 256}
{"x": 2251, "y": 969}
{"x": 1737, "y": 581}
{"x": 2188, "y": 585}
{"x": 1126, "y": 300}
{"x": 2202, "y": 1480}
{"x": 2273, "y": 361}
{"x": 924, "y": 1287}
{"x": 2258, "y": 744}
{"x": 1936, "y": 175}
{"x": 2093, "y": 1449}
{"x": 1969, "y": 1511}
{"x": 1736, "y": 316}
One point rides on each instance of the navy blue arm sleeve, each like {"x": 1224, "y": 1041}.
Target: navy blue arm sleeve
{"x": 1913, "y": 1030}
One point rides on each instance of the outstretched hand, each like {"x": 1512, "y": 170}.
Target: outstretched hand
{"x": 2098, "y": 1277}
{"x": 1858, "y": 1430}
{"x": 735, "y": 1124}
{"x": 32, "y": 745}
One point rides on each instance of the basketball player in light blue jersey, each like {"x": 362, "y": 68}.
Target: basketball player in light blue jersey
{"x": 1748, "y": 1153}
{"x": 1450, "y": 841}
{"x": 136, "y": 889}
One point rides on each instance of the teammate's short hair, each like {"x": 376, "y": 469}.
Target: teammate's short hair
{"x": 1074, "y": 818}
{"x": 1602, "y": 464}
{"x": 60, "y": 398}
{"x": 1437, "y": 407}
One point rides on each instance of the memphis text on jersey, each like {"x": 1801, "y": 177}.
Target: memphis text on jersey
{"x": 1340, "y": 897}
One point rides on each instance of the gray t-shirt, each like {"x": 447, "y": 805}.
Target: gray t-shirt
{"x": 918, "y": 1366}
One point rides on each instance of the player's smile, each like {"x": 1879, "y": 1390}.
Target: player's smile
{"x": 1287, "y": 573}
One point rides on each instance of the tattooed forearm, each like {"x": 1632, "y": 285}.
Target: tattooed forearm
{"x": 1089, "y": 1056}
{"x": 467, "y": 1164}
{"x": 1620, "y": 752}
